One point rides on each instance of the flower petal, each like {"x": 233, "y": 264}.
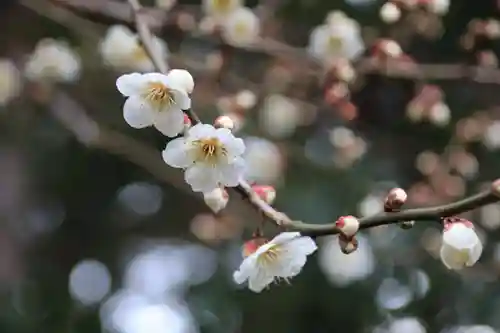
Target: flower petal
{"x": 200, "y": 131}
{"x": 245, "y": 270}
{"x": 130, "y": 84}
{"x": 259, "y": 280}
{"x": 234, "y": 146}
{"x": 170, "y": 122}
{"x": 460, "y": 236}
{"x": 231, "y": 174}
{"x": 202, "y": 178}
{"x": 182, "y": 99}
{"x": 451, "y": 257}
{"x": 137, "y": 113}
{"x": 303, "y": 245}
{"x": 475, "y": 254}
{"x": 176, "y": 154}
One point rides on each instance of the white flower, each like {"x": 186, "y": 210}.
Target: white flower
{"x": 342, "y": 269}
{"x": 211, "y": 157}
{"x": 264, "y": 161}
{"x": 241, "y": 27}
{"x": 407, "y": 325}
{"x": 461, "y": 246}
{"x": 217, "y": 199}
{"x": 280, "y": 116}
{"x": 10, "y": 81}
{"x": 439, "y": 7}
{"x": 54, "y": 61}
{"x": 390, "y": 13}
{"x": 184, "y": 78}
{"x": 121, "y": 49}
{"x": 440, "y": 114}
{"x": 154, "y": 99}
{"x": 283, "y": 257}
{"x": 220, "y": 9}
{"x": 338, "y": 38}
{"x": 165, "y": 4}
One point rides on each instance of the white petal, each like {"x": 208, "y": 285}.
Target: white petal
{"x": 231, "y": 173}
{"x": 303, "y": 245}
{"x": 182, "y": 99}
{"x": 184, "y": 79}
{"x": 234, "y": 146}
{"x": 245, "y": 270}
{"x": 154, "y": 77}
{"x": 201, "y": 131}
{"x": 285, "y": 237}
{"x": 137, "y": 113}
{"x": 176, "y": 154}
{"x": 293, "y": 266}
{"x": 202, "y": 178}
{"x": 451, "y": 257}
{"x": 130, "y": 84}
{"x": 475, "y": 254}
{"x": 259, "y": 280}
{"x": 170, "y": 122}
{"x": 460, "y": 236}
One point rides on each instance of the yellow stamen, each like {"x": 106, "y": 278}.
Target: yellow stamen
{"x": 270, "y": 256}
{"x": 209, "y": 150}
{"x": 334, "y": 43}
{"x": 159, "y": 94}
{"x": 222, "y": 5}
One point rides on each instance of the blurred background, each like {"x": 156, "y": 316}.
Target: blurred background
{"x": 97, "y": 234}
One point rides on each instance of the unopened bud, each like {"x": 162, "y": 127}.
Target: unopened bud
{"x": 348, "y": 225}
{"x": 449, "y": 221}
{"x": 252, "y": 245}
{"x": 224, "y": 122}
{"x": 187, "y": 121}
{"x": 390, "y": 13}
{"x": 216, "y": 199}
{"x": 348, "y": 244}
{"x": 395, "y": 199}
{"x": 265, "y": 192}
{"x": 406, "y": 225}
{"x": 183, "y": 78}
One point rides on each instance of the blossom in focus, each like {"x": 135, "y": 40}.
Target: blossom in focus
{"x": 241, "y": 27}
{"x": 281, "y": 258}
{"x": 154, "y": 99}
{"x": 264, "y": 161}
{"x": 183, "y": 78}
{"x": 121, "y": 49}
{"x": 53, "y": 60}
{"x": 220, "y": 9}
{"x": 461, "y": 246}
{"x": 211, "y": 157}
{"x": 338, "y": 37}
{"x": 342, "y": 269}
{"x": 10, "y": 81}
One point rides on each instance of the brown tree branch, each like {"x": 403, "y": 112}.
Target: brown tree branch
{"x": 280, "y": 219}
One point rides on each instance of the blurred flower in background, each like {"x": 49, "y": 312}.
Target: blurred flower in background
{"x": 10, "y": 81}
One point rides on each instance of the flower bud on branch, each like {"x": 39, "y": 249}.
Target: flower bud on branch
{"x": 348, "y": 244}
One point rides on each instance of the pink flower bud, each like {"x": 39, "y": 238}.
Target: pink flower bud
{"x": 265, "y": 192}
{"x": 252, "y": 245}
{"x": 224, "y": 122}
{"x": 217, "y": 199}
{"x": 348, "y": 245}
{"x": 348, "y": 225}
{"x": 187, "y": 121}
{"x": 448, "y": 222}
{"x": 395, "y": 199}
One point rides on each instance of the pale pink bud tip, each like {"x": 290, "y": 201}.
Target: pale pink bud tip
{"x": 495, "y": 187}
{"x": 187, "y": 121}
{"x": 265, "y": 192}
{"x": 449, "y": 222}
{"x": 348, "y": 245}
{"x": 224, "y": 122}
{"x": 252, "y": 245}
{"x": 395, "y": 199}
{"x": 348, "y": 225}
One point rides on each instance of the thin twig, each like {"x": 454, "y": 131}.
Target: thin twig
{"x": 281, "y": 219}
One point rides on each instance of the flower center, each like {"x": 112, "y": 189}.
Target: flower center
{"x": 463, "y": 256}
{"x": 209, "y": 150}
{"x": 334, "y": 44}
{"x": 159, "y": 95}
{"x": 222, "y": 5}
{"x": 271, "y": 255}
{"x": 240, "y": 29}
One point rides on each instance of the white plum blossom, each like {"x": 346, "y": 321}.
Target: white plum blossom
{"x": 241, "y": 27}
{"x": 220, "y": 9}
{"x": 53, "y": 60}
{"x": 281, "y": 258}
{"x": 461, "y": 246}
{"x": 10, "y": 81}
{"x": 165, "y": 4}
{"x": 121, "y": 49}
{"x": 211, "y": 157}
{"x": 216, "y": 199}
{"x": 439, "y": 7}
{"x": 339, "y": 37}
{"x": 280, "y": 116}
{"x": 154, "y": 99}
{"x": 406, "y": 325}
{"x": 390, "y": 12}
{"x": 183, "y": 78}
